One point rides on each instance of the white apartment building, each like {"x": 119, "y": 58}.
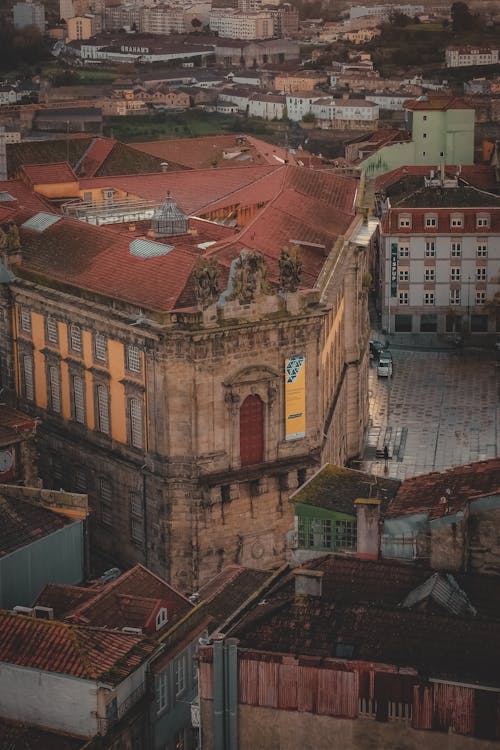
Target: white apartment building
{"x": 383, "y": 11}
{"x": 299, "y": 104}
{"x": 267, "y": 105}
{"x": 235, "y": 25}
{"x": 439, "y": 266}
{"x": 235, "y": 96}
{"x": 390, "y": 101}
{"x": 162, "y": 19}
{"x": 461, "y": 57}
{"x": 345, "y": 113}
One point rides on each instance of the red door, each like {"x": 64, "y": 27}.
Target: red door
{"x": 252, "y": 431}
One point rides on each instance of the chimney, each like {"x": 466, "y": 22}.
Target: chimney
{"x": 308, "y": 582}
{"x": 368, "y": 537}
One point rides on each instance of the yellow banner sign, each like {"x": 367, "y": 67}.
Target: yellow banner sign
{"x": 295, "y": 398}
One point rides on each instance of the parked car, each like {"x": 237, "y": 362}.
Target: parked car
{"x": 375, "y": 348}
{"x": 384, "y": 368}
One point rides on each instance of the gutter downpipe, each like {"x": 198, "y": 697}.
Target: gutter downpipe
{"x": 219, "y": 684}
{"x": 231, "y": 646}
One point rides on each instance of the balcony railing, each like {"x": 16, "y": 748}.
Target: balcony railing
{"x": 105, "y": 723}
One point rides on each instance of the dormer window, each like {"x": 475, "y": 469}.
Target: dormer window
{"x": 456, "y": 221}
{"x": 161, "y": 618}
{"x": 431, "y": 221}
{"x": 404, "y": 220}
{"x": 482, "y": 220}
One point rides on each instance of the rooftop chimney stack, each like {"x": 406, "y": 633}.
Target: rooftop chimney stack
{"x": 368, "y": 534}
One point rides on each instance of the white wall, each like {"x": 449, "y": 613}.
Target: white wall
{"x": 47, "y": 699}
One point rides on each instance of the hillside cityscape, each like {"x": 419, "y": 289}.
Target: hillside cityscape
{"x": 249, "y": 375}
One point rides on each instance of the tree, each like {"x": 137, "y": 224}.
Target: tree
{"x": 461, "y": 17}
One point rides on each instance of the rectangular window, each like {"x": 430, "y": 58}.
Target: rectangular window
{"x": 480, "y": 298}
{"x": 106, "y": 501}
{"x": 479, "y": 323}
{"x": 430, "y": 221}
{"x": 161, "y": 691}
{"x": 101, "y": 347}
{"x": 454, "y": 296}
{"x": 404, "y": 221}
{"x": 78, "y": 399}
{"x": 403, "y": 323}
{"x": 429, "y": 274}
{"x": 102, "y": 398}
{"x": 80, "y": 483}
{"x": 404, "y": 251}
{"x": 136, "y": 517}
{"x": 75, "y": 338}
{"x": 25, "y": 318}
{"x": 456, "y": 221}
{"x": 482, "y": 250}
{"x": 456, "y": 249}
{"x": 404, "y": 275}
{"x": 482, "y": 221}
{"x": 136, "y": 425}
{"x": 455, "y": 274}
{"x": 429, "y": 298}
{"x": 52, "y": 331}
{"x": 481, "y": 274}
{"x": 430, "y": 249}
{"x": 180, "y": 674}
{"x": 55, "y": 388}
{"x": 428, "y": 323}
{"x": 133, "y": 359}
{"x": 403, "y": 298}
{"x": 29, "y": 381}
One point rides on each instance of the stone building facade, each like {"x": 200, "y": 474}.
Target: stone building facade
{"x": 175, "y": 420}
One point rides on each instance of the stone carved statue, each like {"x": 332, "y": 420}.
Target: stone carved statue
{"x": 206, "y": 280}
{"x": 249, "y": 277}
{"x": 290, "y": 268}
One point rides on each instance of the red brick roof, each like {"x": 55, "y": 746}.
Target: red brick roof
{"x": 15, "y": 426}
{"x": 191, "y": 190}
{"x": 390, "y": 222}
{"x": 63, "y": 598}
{"x": 95, "y": 156}
{"x": 458, "y": 485}
{"x": 439, "y": 102}
{"x": 131, "y": 600}
{"x": 46, "y": 174}
{"x": 83, "y": 652}
{"x": 25, "y": 203}
{"x": 24, "y": 523}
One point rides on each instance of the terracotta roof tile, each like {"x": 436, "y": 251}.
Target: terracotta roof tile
{"x": 438, "y": 102}
{"x": 390, "y": 222}
{"x": 63, "y": 598}
{"x": 83, "y": 652}
{"x": 46, "y": 174}
{"x": 26, "y": 202}
{"x": 458, "y": 485}
{"x": 24, "y": 523}
{"x": 95, "y": 155}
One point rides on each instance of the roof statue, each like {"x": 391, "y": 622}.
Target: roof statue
{"x": 168, "y": 220}
{"x": 206, "y": 282}
{"x": 290, "y": 268}
{"x": 249, "y": 277}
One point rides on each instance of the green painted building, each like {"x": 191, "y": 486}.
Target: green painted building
{"x": 441, "y": 129}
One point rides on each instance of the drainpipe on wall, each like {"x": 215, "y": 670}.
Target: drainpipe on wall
{"x": 225, "y": 693}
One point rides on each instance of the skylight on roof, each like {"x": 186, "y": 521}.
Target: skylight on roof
{"x": 4, "y": 197}
{"x": 149, "y": 249}
{"x": 40, "y": 222}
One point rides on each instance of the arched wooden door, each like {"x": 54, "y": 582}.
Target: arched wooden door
{"x": 252, "y": 431}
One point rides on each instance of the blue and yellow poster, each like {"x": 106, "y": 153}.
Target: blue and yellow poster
{"x": 295, "y": 398}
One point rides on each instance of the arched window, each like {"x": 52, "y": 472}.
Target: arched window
{"x": 252, "y": 431}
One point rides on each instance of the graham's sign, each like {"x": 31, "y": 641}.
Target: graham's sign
{"x": 295, "y": 397}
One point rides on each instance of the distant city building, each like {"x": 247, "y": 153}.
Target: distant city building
{"x": 29, "y": 14}
{"x": 235, "y": 25}
{"x": 83, "y": 27}
{"x": 461, "y": 57}
{"x": 249, "y": 54}
{"x": 383, "y": 12}
{"x": 345, "y": 114}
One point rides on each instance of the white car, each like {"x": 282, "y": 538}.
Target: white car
{"x": 384, "y": 368}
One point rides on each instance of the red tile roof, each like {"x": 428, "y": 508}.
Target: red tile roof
{"x": 25, "y": 203}
{"x": 131, "y": 600}
{"x": 24, "y": 523}
{"x": 390, "y": 222}
{"x": 191, "y": 189}
{"x": 478, "y": 175}
{"x": 425, "y": 493}
{"x": 95, "y": 156}
{"x": 63, "y": 598}
{"x": 83, "y": 652}
{"x": 441, "y": 102}
{"x": 15, "y": 426}
{"x": 46, "y": 174}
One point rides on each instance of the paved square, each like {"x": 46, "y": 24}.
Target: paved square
{"x": 439, "y": 409}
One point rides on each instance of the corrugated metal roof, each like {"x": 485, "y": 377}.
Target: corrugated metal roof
{"x": 149, "y": 248}
{"x": 445, "y": 591}
{"x": 40, "y": 222}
